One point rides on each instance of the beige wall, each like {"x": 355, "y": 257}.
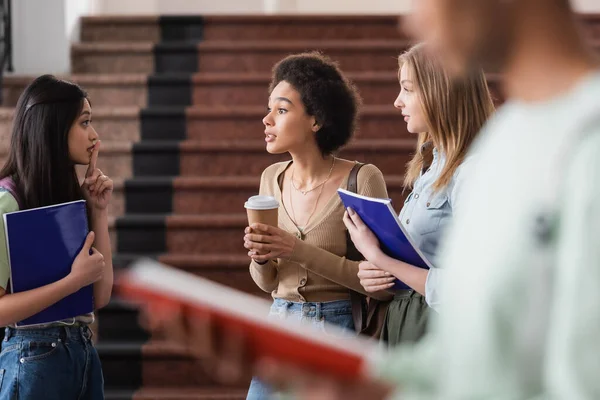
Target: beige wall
{"x": 590, "y": 6}
{"x": 252, "y": 6}
{"x": 274, "y": 6}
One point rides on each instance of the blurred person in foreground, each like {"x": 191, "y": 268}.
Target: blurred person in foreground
{"x": 525, "y": 245}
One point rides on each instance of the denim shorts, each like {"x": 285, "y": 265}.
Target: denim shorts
{"x": 318, "y": 314}
{"x": 56, "y": 363}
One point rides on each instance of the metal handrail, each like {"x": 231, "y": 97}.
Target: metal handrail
{"x": 6, "y": 59}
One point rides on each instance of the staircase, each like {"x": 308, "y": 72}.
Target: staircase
{"x": 178, "y": 103}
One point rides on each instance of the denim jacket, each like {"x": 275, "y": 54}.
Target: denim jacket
{"x": 426, "y": 214}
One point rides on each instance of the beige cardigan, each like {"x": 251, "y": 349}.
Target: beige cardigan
{"x": 317, "y": 271}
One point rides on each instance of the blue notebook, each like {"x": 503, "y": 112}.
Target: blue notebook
{"x": 380, "y": 217}
{"x": 42, "y": 244}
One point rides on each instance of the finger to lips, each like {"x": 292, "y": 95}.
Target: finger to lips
{"x": 93, "y": 159}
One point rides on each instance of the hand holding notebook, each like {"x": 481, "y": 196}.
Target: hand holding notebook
{"x": 88, "y": 266}
{"x": 58, "y": 233}
{"x": 365, "y": 241}
{"x": 379, "y": 216}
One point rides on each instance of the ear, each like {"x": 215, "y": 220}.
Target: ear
{"x": 315, "y": 125}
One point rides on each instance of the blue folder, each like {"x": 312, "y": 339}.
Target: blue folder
{"x": 380, "y": 217}
{"x": 42, "y": 245}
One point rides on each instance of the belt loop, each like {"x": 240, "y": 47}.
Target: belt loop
{"x": 318, "y": 311}
{"x": 86, "y": 332}
{"x": 7, "y": 333}
{"x": 65, "y": 334}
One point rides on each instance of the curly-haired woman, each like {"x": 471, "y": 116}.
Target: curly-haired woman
{"x": 312, "y": 112}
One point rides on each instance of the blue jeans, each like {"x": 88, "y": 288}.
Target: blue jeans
{"x": 333, "y": 312}
{"x": 57, "y": 363}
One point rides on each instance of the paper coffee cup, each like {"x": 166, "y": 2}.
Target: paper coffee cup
{"x": 263, "y": 210}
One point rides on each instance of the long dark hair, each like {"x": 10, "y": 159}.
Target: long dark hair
{"x": 39, "y": 161}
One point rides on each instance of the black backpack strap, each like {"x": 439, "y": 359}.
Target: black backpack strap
{"x": 358, "y": 300}
{"x": 353, "y": 178}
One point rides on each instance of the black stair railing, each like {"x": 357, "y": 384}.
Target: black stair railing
{"x": 6, "y": 59}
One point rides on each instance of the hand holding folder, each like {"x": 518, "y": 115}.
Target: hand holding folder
{"x": 379, "y": 216}
{"x": 57, "y": 233}
{"x": 88, "y": 266}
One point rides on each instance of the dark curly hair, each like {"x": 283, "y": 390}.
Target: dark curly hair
{"x": 326, "y": 94}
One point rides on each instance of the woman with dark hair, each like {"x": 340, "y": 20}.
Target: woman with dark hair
{"x": 311, "y": 114}
{"x": 52, "y": 133}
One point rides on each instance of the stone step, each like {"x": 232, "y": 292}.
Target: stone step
{"x": 155, "y": 364}
{"x": 359, "y": 55}
{"x": 184, "y": 234}
{"x": 119, "y": 321}
{"x": 250, "y": 158}
{"x": 112, "y": 90}
{"x": 217, "y": 393}
{"x": 243, "y": 122}
{"x": 130, "y": 124}
{"x": 202, "y": 89}
{"x": 113, "y": 124}
{"x": 114, "y": 161}
{"x": 223, "y": 158}
{"x": 204, "y": 195}
{"x": 255, "y": 27}
{"x": 224, "y": 268}
{"x": 181, "y": 234}
{"x": 237, "y": 27}
{"x": 226, "y": 56}
{"x": 250, "y": 89}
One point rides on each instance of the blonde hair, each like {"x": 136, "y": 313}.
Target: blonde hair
{"x": 455, "y": 110}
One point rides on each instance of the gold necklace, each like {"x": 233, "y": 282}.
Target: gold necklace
{"x": 304, "y": 192}
{"x": 322, "y": 185}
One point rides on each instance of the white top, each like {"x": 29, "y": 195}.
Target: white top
{"x": 426, "y": 215}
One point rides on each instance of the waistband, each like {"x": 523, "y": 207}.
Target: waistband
{"x": 64, "y": 333}
{"x": 326, "y": 305}
{"x": 406, "y": 293}
{"x": 313, "y": 309}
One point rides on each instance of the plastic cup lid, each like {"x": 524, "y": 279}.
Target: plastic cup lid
{"x": 261, "y": 203}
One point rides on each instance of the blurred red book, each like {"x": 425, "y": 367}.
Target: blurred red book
{"x": 335, "y": 352}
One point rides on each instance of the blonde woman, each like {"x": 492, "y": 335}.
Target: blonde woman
{"x": 447, "y": 115}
